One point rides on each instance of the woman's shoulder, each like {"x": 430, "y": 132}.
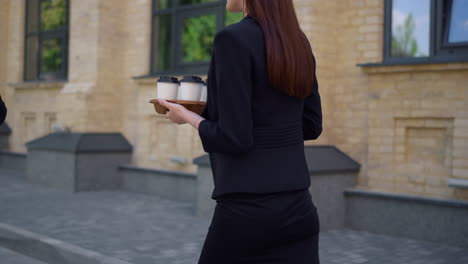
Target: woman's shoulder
{"x": 242, "y": 32}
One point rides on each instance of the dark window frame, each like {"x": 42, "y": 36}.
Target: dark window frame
{"x": 178, "y": 13}
{"x": 61, "y": 33}
{"x": 439, "y": 48}
{"x": 445, "y": 27}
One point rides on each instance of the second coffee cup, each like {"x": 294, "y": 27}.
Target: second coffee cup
{"x": 190, "y": 88}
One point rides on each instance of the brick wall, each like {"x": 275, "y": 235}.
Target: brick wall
{"x": 3, "y": 43}
{"x": 406, "y": 125}
{"x": 418, "y": 132}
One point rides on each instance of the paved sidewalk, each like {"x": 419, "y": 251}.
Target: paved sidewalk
{"x": 11, "y": 257}
{"x": 144, "y": 229}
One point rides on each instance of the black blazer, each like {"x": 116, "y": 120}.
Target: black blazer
{"x": 3, "y": 111}
{"x": 254, "y": 134}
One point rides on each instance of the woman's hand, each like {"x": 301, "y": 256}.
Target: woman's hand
{"x": 179, "y": 114}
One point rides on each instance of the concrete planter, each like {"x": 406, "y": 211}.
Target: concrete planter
{"x": 78, "y": 161}
{"x": 5, "y": 132}
{"x": 174, "y": 185}
{"x": 426, "y": 218}
{"x": 13, "y": 161}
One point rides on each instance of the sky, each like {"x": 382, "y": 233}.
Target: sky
{"x": 459, "y": 24}
{"x": 420, "y": 10}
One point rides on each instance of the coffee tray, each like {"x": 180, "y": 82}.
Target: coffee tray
{"x": 194, "y": 106}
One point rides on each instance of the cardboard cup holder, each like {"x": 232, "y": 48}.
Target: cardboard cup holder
{"x": 194, "y": 106}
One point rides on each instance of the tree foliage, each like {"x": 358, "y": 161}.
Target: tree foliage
{"x": 53, "y": 16}
{"x": 198, "y": 34}
{"x": 404, "y": 44}
{"x": 197, "y": 37}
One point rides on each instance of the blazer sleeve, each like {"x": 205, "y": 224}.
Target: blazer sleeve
{"x": 232, "y": 132}
{"x": 3, "y": 111}
{"x": 312, "y": 114}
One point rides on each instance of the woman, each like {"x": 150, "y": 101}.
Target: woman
{"x": 3, "y": 111}
{"x": 262, "y": 103}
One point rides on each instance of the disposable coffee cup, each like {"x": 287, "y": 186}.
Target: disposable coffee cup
{"x": 204, "y": 92}
{"x": 167, "y": 88}
{"x": 190, "y": 88}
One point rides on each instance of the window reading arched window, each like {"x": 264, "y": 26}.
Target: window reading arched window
{"x": 183, "y": 33}
{"x": 46, "y": 40}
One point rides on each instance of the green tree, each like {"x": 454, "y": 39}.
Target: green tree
{"x": 51, "y": 55}
{"x": 198, "y": 35}
{"x": 404, "y": 44}
{"x": 52, "y": 14}
{"x": 232, "y": 17}
{"x": 197, "y": 38}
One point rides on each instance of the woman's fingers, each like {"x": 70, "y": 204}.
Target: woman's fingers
{"x": 168, "y": 105}
{"x": 175, "y": 113}
{"x": 163, "y": 102}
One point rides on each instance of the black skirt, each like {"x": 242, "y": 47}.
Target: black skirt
{"x": 273, "y": 228}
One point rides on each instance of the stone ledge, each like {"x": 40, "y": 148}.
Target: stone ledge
{"x": 56, "y": 84}
{"x": 381, "y": 68}
{"x": 5, "y": 129}
{"x": 77, "y": 162}
{"x": 203, "y": 160}
{"x": 151, "y": 79}
{"x": 11, "y": 153}
{"x": 458, "y": 183}
{"x": 81, "y": 142}
{"x": 437, "y": 220}
{"x": 162, "y": 171}
{"x": 13, "y": 161}
{"x": 169, "y": 184}
{"x": 406, "y": 197}
{"x": 329, "y": 159}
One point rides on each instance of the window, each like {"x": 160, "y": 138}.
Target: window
{"x": 46, "y": 40}
{"x": 183, "y": 34}
{"x": 426, "y": 31}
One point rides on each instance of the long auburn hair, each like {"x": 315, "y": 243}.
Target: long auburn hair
{"x": 291, "y": 62}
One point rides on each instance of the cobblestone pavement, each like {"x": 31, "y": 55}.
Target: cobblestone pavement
{"x": 11, "y": 257}
{"x": 144, "y": 229}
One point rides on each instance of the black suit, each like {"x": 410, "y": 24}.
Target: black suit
{"x": 254, "y": 135}
{"x": 3, "y": 111}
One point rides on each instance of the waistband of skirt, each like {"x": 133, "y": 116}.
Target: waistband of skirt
{"x": 249, "y": 195}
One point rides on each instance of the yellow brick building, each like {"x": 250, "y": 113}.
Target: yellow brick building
{"x": 403, "y": 117}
